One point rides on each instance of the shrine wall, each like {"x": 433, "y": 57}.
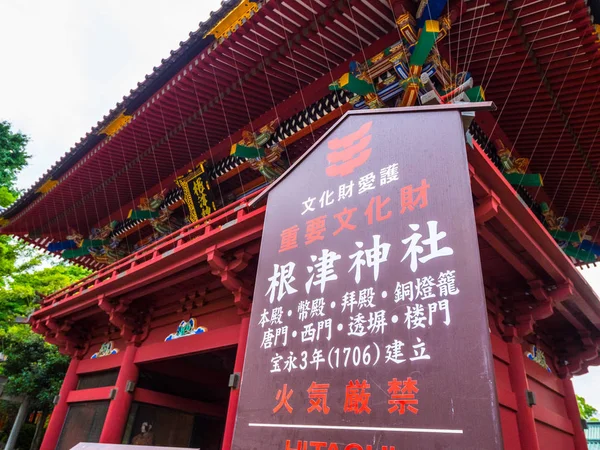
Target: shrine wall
{"x": 105, "y": 350}
{"x": 506, "y": 398}
{"x": 210, "y": 317}
{"x": 553, "y": 426}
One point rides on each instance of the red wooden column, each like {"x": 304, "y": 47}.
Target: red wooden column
{"x": 116, "y": 417}
{"x": 573, "y": 413}
{"x": 518, "y": 379}
{"x": 235, "y": 393}
{"x": 57, "y": 419}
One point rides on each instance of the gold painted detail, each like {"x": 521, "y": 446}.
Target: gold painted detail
{"x": 235, "y": 19}
{"x": 47, "y": 186}
{"x": 3, "y": 222}
{"x": 197, "y": 194}
{"x": 120, "y": 121}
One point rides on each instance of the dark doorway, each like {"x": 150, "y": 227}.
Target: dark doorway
{"x": 190, "y": 397}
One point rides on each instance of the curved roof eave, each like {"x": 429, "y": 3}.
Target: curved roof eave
{"x": 152, "y": 83}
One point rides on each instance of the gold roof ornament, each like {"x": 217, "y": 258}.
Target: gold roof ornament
{"x": 233, "y": 20}
{"x": 47, "y": 186}
{"x": 119, "y": 122}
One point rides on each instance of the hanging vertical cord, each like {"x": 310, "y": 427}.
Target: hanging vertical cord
{"x": 449, "y": 38}
{"x": 150, "y": 139}
{"x": 145, "y": 188}
{"x": 595, "y": 238}
{"x": 64, "y": 208}
{"x": 555, "y": 100}
{"x": 87, "y": 222}
{"x": 542, "y": 77}
{"x": 78, "y": 230}
{"x": 362, "y": 50}
{"x": 322, "y": 43}
{"x": 209, "y": 149}
{"x": 592, "y": 104}
{"x": 506, "y": 41}
{"x": 566, "y": 120}
{"x": 473, "y": 41}
{"x": 108, "y": 208}
{"x": 185, "y": 135}
{"x": 291, "y": 54}
{"x": 117, "y": 191}
{"x": 566, "y": 208}
{"x": 499, "y": 115}
{"x": 241, "y": 83}
{"x": 487, "y": 64}
{"x": 395, "y": 20}
{"x": 168, "y": 139}
{"x": 551, "y": 110}
{"x": 320, "y": 34}
{"x": 129, "y": 184}
{"x": 49, "y": 226}
{"x": 221, "y": 99}
{"x": 137, "y": 152}
{"x": 255, "y": 33}
{"x": 458, "y": 40}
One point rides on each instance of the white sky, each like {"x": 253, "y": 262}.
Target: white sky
{"x": 65, "y": 63}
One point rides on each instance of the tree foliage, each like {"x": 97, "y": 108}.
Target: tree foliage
{"x": 23, "y": 289}
{"x": 33, "y": 368}
{"x": 13, "y": 156}
{"x": 586, "y": 411}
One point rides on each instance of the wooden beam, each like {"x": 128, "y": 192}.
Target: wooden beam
{"x": 90, "y": 395}
{"x": 504, "y": 250}
{"x": 178, "y": 403}
{"x": 99, "y": 364}
{"x": 186, "y": 371}
{"x": 211, "y": 340}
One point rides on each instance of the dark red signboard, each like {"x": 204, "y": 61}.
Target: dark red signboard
{"x": 369, "y": 326}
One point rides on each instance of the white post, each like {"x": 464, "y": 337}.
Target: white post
{"x": 16, "y": 428}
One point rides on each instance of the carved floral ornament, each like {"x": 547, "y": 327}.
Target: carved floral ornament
{"x": 186, "y": 328}
{"x": 106, "y": 349}
{"x": 537, "y": 356}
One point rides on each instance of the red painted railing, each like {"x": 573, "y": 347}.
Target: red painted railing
{"x": 157, "y": 248}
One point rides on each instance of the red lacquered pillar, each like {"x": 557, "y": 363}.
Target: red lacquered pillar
{"x": 57, "y": 419}
{"x": 518, "y": 379}
{"x": 116, "y": 417}
{"x": 573, "y": 413}
{"x": 235, "y": 393}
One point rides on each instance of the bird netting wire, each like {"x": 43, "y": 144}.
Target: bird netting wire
{"x": 209, "y": 148}
{"x": 241, "y": 83}
{"x": 131, "y": 196}
{"x": 221, "y": 102}
{"x": 256, "y": 34}
{"x": 298, "y": 81}
{"x": 360, "y": 43}
{"x": 168, "y": 139}
{"x": 540, "y": 84}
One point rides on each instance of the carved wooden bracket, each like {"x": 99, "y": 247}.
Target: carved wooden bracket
{"x": 117, "y": 317}
{"x": 56, "y": 333}
{"x": 242, "y": 293}
{"x": 548, "y": 298}
{"x": 511, "y": 334}
{"x": 487, "y": 208}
